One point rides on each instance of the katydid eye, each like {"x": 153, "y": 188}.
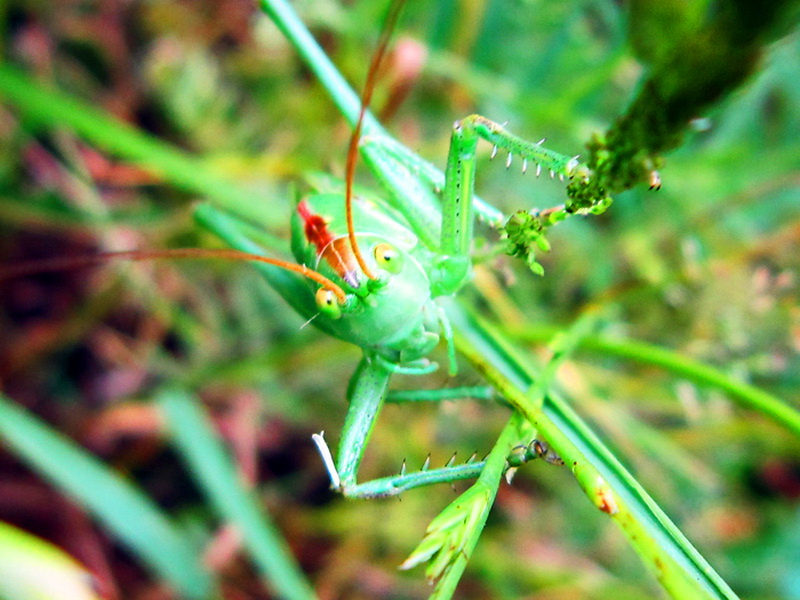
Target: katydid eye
{"x": 327, "y": 303}
{"x": 388, "y": 258}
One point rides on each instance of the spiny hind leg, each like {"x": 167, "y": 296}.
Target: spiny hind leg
{"x": 366, "y": 395}
{"x": 394, "y": 485}
{"x": 343, "y": 479}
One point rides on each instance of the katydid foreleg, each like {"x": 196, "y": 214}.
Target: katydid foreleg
{"x": 420, "y": 193}
{"x": 458, "y": 206}
{"x": 366, "y": 394}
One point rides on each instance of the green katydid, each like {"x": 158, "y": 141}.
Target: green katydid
{"x": 426, "y": 222}
{"x": 371, "y": 275}
{"x": 417, "y": 252}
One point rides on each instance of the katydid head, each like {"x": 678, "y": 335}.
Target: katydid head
{"x": 389, "y": 305}
{"x": 393, "y": 312}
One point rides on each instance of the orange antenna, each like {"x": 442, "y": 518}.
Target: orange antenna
{"x": 61, "y": 263}
{"x": 352, "y": 151}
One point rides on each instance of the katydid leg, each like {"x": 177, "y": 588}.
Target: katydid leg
{"x": 396, "y": 484}
{"x": 365, "y": 395}
{"x": 458, "y": 206}
{"x": 522, "y": 451}
{"x": 531, "y": 153}
{"x": 480, "y": 392}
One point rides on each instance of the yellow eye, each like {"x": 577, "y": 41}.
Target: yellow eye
{"x": 327, "y": 303}
{"x": 388, "y": 258}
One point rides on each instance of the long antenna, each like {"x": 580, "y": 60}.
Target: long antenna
{"x": 352, "y": 151}
{"x": 71, "y": 262}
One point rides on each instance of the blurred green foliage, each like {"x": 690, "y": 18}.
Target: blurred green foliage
{"x": 707, "y": 266}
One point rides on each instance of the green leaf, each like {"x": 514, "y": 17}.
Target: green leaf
{"x": 744, "y": 394}
{"x": 122, "y": 508}
{"x": 31, "y": 569}
{"x": 219, "y": 477}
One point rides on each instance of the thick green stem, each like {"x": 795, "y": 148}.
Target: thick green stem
{"x": 742, "y": 393}
{"x": 701, "y": 68}
{"x": 679, "y": 567}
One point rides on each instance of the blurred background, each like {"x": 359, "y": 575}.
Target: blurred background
{"x": 707, "y": 266}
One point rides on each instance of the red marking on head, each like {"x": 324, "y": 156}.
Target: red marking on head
{"x": 316, "y": 228}
{"x": 335, "y": 250}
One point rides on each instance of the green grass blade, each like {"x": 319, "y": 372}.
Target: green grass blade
{"x": 216, "y": 472}
{"x": 347, "y": 101}
{"x": 42, "y": 106}
{"x": 675, "y": 562}
{"x": 123, "y": 509}
{"x": 744, "y": 394}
